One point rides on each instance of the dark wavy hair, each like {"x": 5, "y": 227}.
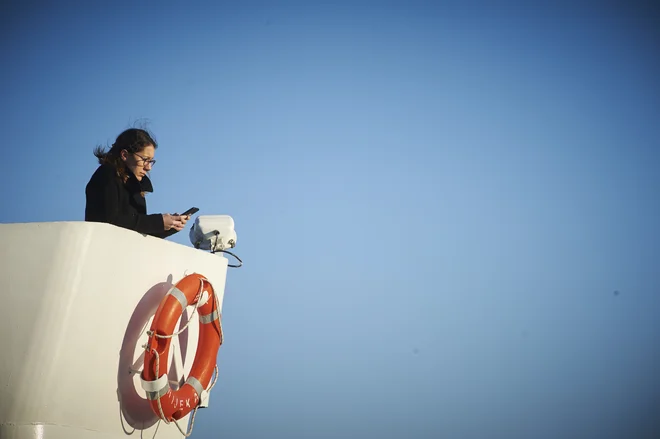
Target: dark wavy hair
{"x": 133, "y": 140}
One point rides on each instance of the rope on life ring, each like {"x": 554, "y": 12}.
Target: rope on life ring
{"x": 171, "y": 405}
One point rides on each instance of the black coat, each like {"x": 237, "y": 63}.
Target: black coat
{"x": 109, "y": 200}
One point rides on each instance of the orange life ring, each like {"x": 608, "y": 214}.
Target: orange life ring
{"x": 166, "y": 403}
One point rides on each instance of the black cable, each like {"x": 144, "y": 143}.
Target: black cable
{"x": 217, "y": 234}
{"x": 237, "y": 258}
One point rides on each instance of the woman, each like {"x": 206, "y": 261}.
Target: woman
{"x": 115, "y": 193}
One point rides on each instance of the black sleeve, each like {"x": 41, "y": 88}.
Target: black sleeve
{"x": 103, "y": 206}
{"x": 165, "y": 233}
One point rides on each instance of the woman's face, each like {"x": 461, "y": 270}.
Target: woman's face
{"x": 141, "y": 162}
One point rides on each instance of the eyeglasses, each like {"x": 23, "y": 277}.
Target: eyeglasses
{"x": 146, "y": 160}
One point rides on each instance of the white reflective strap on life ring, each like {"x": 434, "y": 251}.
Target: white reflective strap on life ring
{"x": 157, "y": 388}
{"x": 201, "y": 391}
{"x": 208, "y": 318}
{"x": 178, "y": 295}
{"x": 194, "y": 382}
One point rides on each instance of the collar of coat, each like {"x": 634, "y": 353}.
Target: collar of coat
{"x": 135, "y": 185}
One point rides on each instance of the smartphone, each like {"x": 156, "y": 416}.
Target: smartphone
{"x": 191, "y": 211}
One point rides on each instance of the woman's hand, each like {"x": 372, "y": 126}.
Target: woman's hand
{"x": 177, "y": 222}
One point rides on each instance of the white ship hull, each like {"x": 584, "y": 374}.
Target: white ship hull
{"x": 77, "y": 299}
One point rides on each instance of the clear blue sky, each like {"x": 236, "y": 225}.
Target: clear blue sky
{"x": 435, "y": 204}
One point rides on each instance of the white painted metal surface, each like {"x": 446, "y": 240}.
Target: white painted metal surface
{"x": 77, "y": 299}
